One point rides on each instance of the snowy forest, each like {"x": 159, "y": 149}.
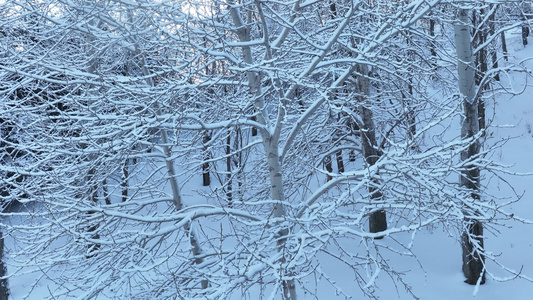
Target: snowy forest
{"x": 264, "y": 149}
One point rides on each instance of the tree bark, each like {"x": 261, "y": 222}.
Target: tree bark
{"x": 504, "y": 46}
{"x": 481, "y": 64}
{"x": 229, "y": 171}
{"x": 410, "y": 112}
{"x": 4, "y": 288}
{"x": 492, "y": 32}
{"x": 432, "y": 34}
{"x": 328, "y": 166}
{"x": 125, "y": 178}
{"x": 371, "y": 154}
{"x": 206, "y": 177}
{"x": 525, "y": 33}
{"x": 340, "y": 161}
{"x": 472, "y": 238}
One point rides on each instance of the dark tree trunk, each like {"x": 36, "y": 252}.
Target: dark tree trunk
{"x": 481, "y": 114}
{"x": 353, "y": 128}
{"x": 377, "y": 221}
{"x": 340, "y": 161}
{"x": 492, "y": 32}
{"x": 125, "y": 177}
{"x": 481, "y": 66}
{"x": 254, "y": 129}
{"x": 472, "y": 239}
{"x": 371, "y": 154}
{"x": 4, "y": 288}
{"x": 238, "y": 161}
{"x": 525, "y": 33}
{"x": 504, "y": 46}
{"x": 206, "y": 177}
{"x": 92, "y": 248}
{"x": 410, "y": 114}
{"x": 473, "y": 260}
{"x": 351, "y": 155}
{"x": 432, "y": 35}
{"x": 329, "y": 166}
{"x": 333, "y": 10}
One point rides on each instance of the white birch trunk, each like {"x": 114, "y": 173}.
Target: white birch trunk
{"x": 270, "y": 139}
{"x": 472, "y": 239}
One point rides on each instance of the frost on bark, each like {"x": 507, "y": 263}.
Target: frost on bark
{"x": 472, "y": 238}
{"x": 378, "y": 219}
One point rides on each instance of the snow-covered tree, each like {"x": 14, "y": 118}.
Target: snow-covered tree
{"x": 131, "y": 104}
{"x": 473, "y": 257}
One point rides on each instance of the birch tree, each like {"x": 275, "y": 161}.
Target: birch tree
{"x": 473, "y": 257}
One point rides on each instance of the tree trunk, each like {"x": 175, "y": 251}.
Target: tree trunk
{"x": 92, "y": 248}
{"x": 206, "y": 177}
{"x": 377, "y": 219}
{"x": 432, "y": 34}
{"x": 504, "y": 46}
{"x": 525, "y": 33}
{"x": 328, "y": 166}
{"x": 481, "y": 65}
{"x": 432, "y": 48}
{"x": 492, "y": 32}
{"x": 105, "y": 191}
{"x": 352, "y": 127}
{"x": 125, "y": 177}
{"x": 229, "y": 171}
{"x": 472, "y": 240}
{"x": 4, "y": 288}
{"x": 277, "y": 192}
{"x": 254, "y": 129}
{"x": 410, "y": 113}
{"x": 270, "y": 140}
{"x": 473, "y": 258}
{"x": 340, "y": 161}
